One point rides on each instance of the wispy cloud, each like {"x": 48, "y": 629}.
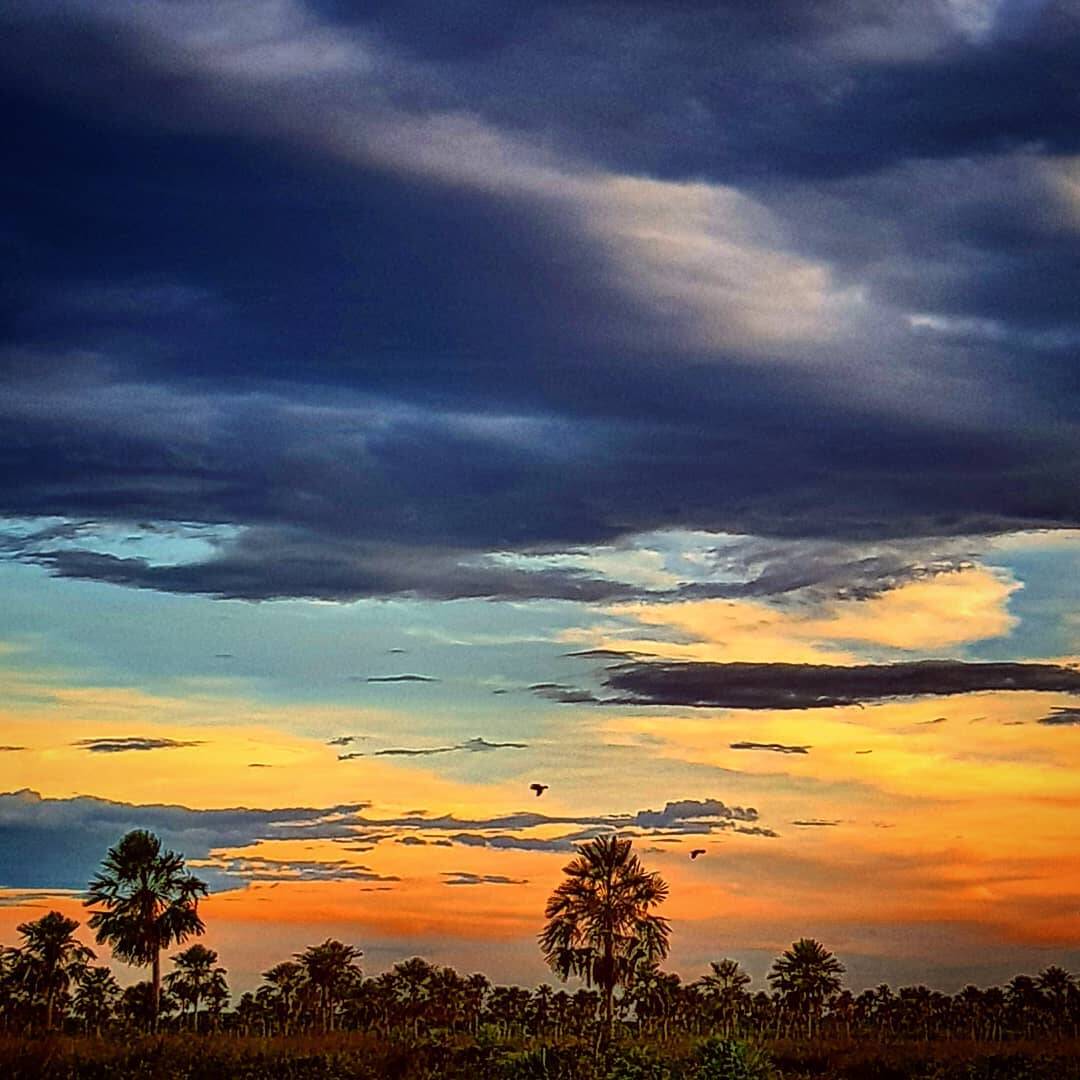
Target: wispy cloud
{"x": 776, "y": 748}
{"x": 105, "y": 745}
{"x": 477, "y": 745}
{"x": 1062, "y": 717}
{"x": 400, "y": 678}
{"x": 461, "y": 877}
{"x": 258, "y": 868}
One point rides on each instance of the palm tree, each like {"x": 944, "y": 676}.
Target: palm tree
{"x": 248, "y": 1013}
{"x": 600, "y": 925}
{"x": 805, "y": 977}
{"x": 95, "y": 997}
{"x": 725, "y": 989}
{"x": 1025, "y": 1002}
{"x": 139, "y": 1008}
{"x": 330, "y": 968}
{"x": 1060, "y": 987}
{"x": 475, "y": 992}
{"x": 413, "y": 981}
{"x": 148, "y": 902}
{"x": 50, "y": 957}
{"x": 216, "y": 995}
{"x": 286, "y": 978}
{"x": 194, "y": 975}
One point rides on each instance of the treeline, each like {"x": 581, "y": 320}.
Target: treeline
{"x": 51, "y": 981}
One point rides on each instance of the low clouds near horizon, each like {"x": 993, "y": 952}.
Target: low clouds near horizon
{"x": 59, "y": 843}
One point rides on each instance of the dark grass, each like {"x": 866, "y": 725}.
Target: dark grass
{"x": 367, "y": 1057}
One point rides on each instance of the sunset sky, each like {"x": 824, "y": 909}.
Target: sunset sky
{"x": 404, "y": 403}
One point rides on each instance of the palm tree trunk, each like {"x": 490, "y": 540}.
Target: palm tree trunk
{"x": 49, "y": 1009}
{"x": 155, "y": 995}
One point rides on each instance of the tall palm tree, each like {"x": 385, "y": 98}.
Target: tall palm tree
{"x": 413, "y": 983}
{"x": 193, "y": 976}
{"x": 95, "y": 997}
{"x": 600, "y": 923}
{"x": 476, "y": 989}
{"x": 286, "y": 978}
{"x": 249, "y": 1013}
{"x": 724, "y": 987}
{"x": 330, "y": 968}
{"x": 51, "y": 957}
{"x": 217, "y": 996}
{"x": 147, "y": 902}
{"x": 806, "y": 976}
{"x": 1059, "y": 986}
{"x": 1025, "y": 1002}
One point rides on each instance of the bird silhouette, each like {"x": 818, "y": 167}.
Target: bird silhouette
{"x": 539, "y": 789}
{"x": 864, "y": 751}
{"x": 696, "y": 852}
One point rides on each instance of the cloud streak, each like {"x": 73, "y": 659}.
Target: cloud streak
{"x": 477, "y": 745}
{"x": 776, "y": 748}
{"x": 122, "y": 745}
{"x": 810, "y": 686}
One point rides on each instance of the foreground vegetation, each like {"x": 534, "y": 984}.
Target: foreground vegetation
{"x": 341, "y": 1055}
{"x": 316, "y": 1014}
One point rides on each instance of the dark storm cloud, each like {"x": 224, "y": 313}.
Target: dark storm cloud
{"x": 375, "y": 298}
{"x": 847, "y": 87}
{"x": 809, "y": 686}
{"x": 767, "y": 568}
{"x": 124, "y": 744}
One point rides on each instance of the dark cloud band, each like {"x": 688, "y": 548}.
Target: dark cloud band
{"x": 810, "y": 686}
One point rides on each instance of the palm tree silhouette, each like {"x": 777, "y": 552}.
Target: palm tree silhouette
{"x": 147, "y": 901}
{"x": 724, "y": 988}
{"x": 95, "y": 998}
{"x": 330, "y": 968}
{"x": 286, "y": 979}
{"x": 50, "y": 957}
{"x": 1060, "y": 988}
{"x": 600, "y": 925}
{"x": 137, "y": 1005}
{"x": 805, "y": 977}
{"x": 193, "y": 978}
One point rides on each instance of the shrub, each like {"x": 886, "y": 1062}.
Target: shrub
{"x": 731, "y": 1059}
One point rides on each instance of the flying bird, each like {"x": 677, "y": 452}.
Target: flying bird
{"x": 864, "y": 751}
{"x": 696, "y": 852}
{"x": 539, "y": 789}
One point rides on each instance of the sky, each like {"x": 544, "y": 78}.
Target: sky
{"x": 673, "y": 404}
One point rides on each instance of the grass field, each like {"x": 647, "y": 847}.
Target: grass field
{"x": 341, "y": 1056}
